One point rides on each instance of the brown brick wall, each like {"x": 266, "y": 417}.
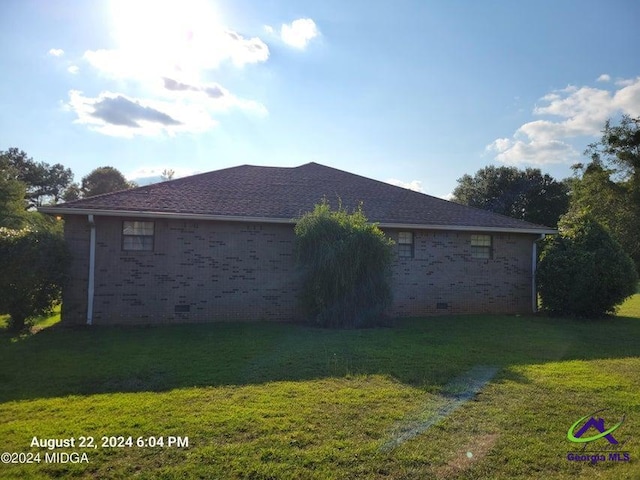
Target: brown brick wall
{"x": 444, "y": 278}
{"x": 74, "y": 295}
{"x": 219, "y": 271}
{"x": 241, "y": 271}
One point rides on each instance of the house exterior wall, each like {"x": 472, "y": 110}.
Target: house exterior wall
{"x": 234, "y": 271}
{"x": 217, "y": 270}
{"x": 444, "y": 278}
{"x": 74, "y": 294}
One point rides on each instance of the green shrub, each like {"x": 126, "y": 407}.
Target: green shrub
{"x": 33, "y": 268}
{"x": 346, "y": 265}
{"x": 584, "y": 271}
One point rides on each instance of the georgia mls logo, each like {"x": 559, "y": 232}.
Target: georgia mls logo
{"x": 581, "y": 432}
{"x": 595, "y": 423}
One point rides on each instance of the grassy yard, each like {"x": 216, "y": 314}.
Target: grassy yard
{"x": 268, "y": 401}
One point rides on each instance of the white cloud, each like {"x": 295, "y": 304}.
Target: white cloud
{"x": 624, "y": 82}
{"x": 585, "y": 110}
{"x": 534, "y": 152}
{"x": 164, "y": 50}
{"x": 178, "y": 35}
{"x": 150, "y": 174}
{"x": 500, "y": 145}
{"x": 415, "y": 185}
{"x": 299, "y": 33}
{"x": 627, "y": 99}
{"x": 211, "y": 96}
{"x": 118, "y": 115}
{"x": 242, "y": 51}
{"x": 73, "y": 69}
{"x": 56, "y": 52}
{"x": 449, "y": 197}
{"x": 604, "y": 78}
{"x": 188, "y": 59}
{"x": 574, "y": 112}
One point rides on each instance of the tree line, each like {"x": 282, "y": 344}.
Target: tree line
{"x": 26, "y": 184}
{"x": 606, "y": 188}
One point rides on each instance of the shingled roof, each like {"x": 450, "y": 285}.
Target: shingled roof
{"x": 279, "y": 194}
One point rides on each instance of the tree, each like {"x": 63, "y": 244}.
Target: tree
{"x": 346, "y": 265}
{"x": 584, "y": 271}
{"x": 13, "y": 213}
{"x": 620, "y": 146}
{"x": 609, "y": 202}
{"x": 167, "y": 174}
{"x": 104, "y": 180}
{"x": 12, "y": 193}
{"x": 56, "y": 182}
{"x": 42, "y": 181}
{"x": 73, "y": 192}
{"x": 34, "y": 266}
{"x": 609, "y": 186}
{"x": 523, "y": 194}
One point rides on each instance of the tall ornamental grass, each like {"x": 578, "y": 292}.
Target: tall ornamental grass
{"x": 346, "y": 266}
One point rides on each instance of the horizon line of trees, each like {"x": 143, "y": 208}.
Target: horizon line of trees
{"x": 607, "y": 189}
{"x": 26, "y": 184}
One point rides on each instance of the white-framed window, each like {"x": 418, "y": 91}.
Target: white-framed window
{"x": 481, "y": 246}
{"x": 137, "y": 236}
{"x": 405, "y": 244}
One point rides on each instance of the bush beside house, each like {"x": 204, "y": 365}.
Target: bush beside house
{"x": 346, "y": 263}
{"x": 584, "y": 271}
{"x": 34, "y": 267}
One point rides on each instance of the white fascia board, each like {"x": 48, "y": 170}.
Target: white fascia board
{"x": 162, "y": 215}
{"x": 52, "y": 210}
{"x": 468, "y": 228}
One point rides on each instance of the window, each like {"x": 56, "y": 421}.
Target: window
{"x": 481, "y": 246}
{"x": 405, "y": 244}
{"x": 137, "y": 236}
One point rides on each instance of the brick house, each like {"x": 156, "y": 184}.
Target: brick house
{"x": 220, "y": 246}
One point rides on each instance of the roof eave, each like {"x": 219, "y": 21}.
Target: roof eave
{"x": 53, "y": 210}
{"x": 470, "y": 228}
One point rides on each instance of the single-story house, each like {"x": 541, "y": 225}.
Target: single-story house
{"x": 220, "y": 246}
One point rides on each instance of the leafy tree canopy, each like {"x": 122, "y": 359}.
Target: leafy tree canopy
{"x": 584, "y": 271}
{"x": 34, "y": 266}
{"x": 42, "y": 181}
{"x": 12, "y": 198}
{"x": 523, "y": 194}
{"x": 104, "y": 180}
{"x": 619, "y": 147}
{"x": 608, "y": 188}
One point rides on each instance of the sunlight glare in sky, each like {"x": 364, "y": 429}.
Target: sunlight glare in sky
{"x": 176, "y": 37}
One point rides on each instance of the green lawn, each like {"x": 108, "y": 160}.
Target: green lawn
{"x": 38, "y": 323}
{"x": 631, "y": 308}
{"x": 264, "y": 401}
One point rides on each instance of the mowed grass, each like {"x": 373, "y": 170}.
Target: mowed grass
{"x": 38, "y": 323}
{"x": 271, "y": 401}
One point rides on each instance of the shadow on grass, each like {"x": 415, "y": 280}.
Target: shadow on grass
{"x": 425, "y": 353}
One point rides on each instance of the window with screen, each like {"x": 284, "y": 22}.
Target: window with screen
{"x": 137, "y": 236}
{"x": 405, "y": 244}
{"x": 481, "y": 246}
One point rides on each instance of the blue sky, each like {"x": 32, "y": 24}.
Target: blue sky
{"x": 416, "y": 93}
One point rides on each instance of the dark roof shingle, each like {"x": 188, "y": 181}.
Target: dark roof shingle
{"x": 287, "y": 193}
